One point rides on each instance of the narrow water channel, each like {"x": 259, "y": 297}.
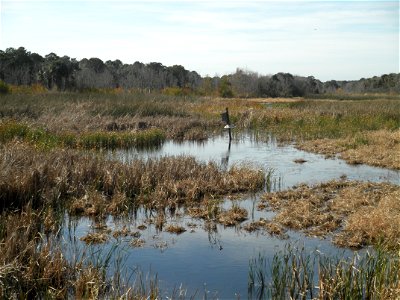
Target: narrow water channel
{"x": 214, "y": 261}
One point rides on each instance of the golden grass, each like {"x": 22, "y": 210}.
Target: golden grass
{"x": 232, "y": 216}
{"x": 377, "y": 148}
{"x": 273, "y": 228}
{"x": 27, "y": 264}
{"x": 137, "y": 243}
{"x": 173, "y": 228}
{"x": 95, "y": 186}
{"x": 95, "y": 238}
{"x": 373, "y": 223}
{"x": 355, "y": 213}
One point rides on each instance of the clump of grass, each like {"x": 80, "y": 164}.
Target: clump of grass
{"x": 295, "y": 273}
{"x": 177, "y": 229}
{"x": 121, "y": 232}
{"x": 209, "y": 209}
{"x": 91, "y": 204}
{"x": 233, "y": 216}
{"x": 95, "y": 238}
{"x": 137, "y": 243}
{"x": 356, "y": 213}
{"x": 273, "y": 228}
{"x": 142, "y": 227}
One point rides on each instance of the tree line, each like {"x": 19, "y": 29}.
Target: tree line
{"x": 21, "y": 67}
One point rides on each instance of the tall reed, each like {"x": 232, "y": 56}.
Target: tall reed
{"x": 295, "y": 273}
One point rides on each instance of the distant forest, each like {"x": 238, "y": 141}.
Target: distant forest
{"x": 19, "y": 67}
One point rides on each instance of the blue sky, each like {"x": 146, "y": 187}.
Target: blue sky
{"x": 340, "y": 40}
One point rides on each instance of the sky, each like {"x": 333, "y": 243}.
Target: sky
{"x": 341, "y": 40}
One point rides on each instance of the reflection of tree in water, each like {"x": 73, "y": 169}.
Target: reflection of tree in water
{"x": 214, "y": 237}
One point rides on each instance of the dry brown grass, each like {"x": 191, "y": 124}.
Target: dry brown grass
{"x": 95, "y": 186}
{"x": 30, "y": 267}
{"x": 95, "y": 238}
{"x": 355, "y": 213}
{"x": 137, "y": 243}
{"x": 232, "y": 216}
{"x": 90, "y": 283}
{"x": 273, "y": 228}
{"x": 173, "y": 228}
{"x": 373, "y": 223}
{"x": 376, "y": 148}
{"x": 78, "y": 113}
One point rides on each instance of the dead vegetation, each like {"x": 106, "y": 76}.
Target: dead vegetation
{"x": 273, "y": 228}
{"x": 95, "y": 186}
{"x": 355, "y": 213}
{"x": 173, "y": 228}
{"x": 376, "y": 148}
{"x": 211, "y": 211}
{"x": 232, "y": 216}
{"x": 95, "y": 238}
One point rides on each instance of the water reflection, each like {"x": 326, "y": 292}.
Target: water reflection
{"x": 266, "y": 156}
{"x": 209, "y": 253}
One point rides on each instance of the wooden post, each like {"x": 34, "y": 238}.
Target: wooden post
{"x": 229, "y": 125}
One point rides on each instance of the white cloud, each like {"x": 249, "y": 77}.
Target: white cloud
{"x": 324, "y": 39}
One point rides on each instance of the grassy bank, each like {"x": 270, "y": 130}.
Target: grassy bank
{"x": 354, "y": 214}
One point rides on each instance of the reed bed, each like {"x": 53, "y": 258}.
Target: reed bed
{"x": 295, "y": 273}
{"x": 355, "y": 213}
{"x": 95, "y": 185}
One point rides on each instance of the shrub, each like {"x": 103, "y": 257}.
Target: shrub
{"x": 4, "y": 88}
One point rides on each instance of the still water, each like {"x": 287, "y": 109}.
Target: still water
{"x": 214, "y": 262}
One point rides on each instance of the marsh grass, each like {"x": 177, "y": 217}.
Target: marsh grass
{"x": 33, "y": 266}
{"x": 309, "y": 119}
{"x": 94, "y": 186}
{"x": 295, "y": 273}
{"x": 77, "y": 113}
{"x": 355, "y": 213}
{"x": 377, "y": 148}
{"x": 196, "y": 118}
{"x": 150, "y": 138}
{"x": 353, "y": 97}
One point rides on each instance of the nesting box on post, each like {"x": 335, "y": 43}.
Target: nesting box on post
{"x": 225, "y": 119}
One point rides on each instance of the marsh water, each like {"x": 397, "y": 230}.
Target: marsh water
{"x": 214, "y": 262}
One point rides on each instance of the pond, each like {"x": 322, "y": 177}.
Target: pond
{"x": 214, "y": 260}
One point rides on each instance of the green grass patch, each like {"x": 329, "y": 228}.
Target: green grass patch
{"x": 92, "y": 140}
{"x": 295, "y": 273}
